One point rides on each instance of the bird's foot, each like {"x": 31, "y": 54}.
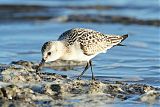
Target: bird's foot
{"x": 39, "y": 74}
{"x": 79, "y": 78}
{"x": 93, "y": 78}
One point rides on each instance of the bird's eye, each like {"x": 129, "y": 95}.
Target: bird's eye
{"x": 49, "y": 53}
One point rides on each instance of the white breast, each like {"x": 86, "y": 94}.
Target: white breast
{"x": 76, "y": 53}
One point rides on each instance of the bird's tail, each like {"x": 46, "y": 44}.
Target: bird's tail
{"x": 116, "y": 40}
{"x": 123, "y": 38}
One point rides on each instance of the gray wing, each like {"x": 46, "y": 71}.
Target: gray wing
{"x": 100, "y": 43}
{"x": 70, "y": 36}
{"x": 91, "y": 42}
{"x": 65, "y": 35}
{"x": 77, "y": 34}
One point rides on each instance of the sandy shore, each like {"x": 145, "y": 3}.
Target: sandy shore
{"x": 21, "y": 86}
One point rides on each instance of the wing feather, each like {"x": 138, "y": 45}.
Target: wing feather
{"x": 91, "y": 42}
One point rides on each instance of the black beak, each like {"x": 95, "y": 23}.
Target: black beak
{"x": 40, "y": 65}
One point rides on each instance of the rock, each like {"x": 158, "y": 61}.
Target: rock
{"x": 150, "y": 96}
{"x": 19, "y": 75}
{"x": 19, "y": 82}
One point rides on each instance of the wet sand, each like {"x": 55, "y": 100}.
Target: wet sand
{"x": 21, "y": 86}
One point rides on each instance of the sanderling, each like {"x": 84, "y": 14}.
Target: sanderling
{"x": 79, "y": 44}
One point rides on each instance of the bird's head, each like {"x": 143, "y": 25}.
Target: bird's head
{"x": 51, "y": 51}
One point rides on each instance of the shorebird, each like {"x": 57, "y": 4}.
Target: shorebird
{"x": 79, "y": 44}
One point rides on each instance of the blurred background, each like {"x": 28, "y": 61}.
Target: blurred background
{"x": 26, "y": 24}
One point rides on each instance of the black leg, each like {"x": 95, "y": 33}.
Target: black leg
{"x": 93, "y": 77}
{"x": 85, "y": 69}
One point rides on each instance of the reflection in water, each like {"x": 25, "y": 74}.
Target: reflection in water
{"x": 63, "y": 65}
{"x": 63, "y": 68}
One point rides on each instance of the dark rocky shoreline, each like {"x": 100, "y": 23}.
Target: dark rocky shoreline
{"x": 20, "y": 85}
{"x": 33, "y": 13}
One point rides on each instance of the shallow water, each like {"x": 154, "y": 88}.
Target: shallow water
{"x": 138, "y": 62}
